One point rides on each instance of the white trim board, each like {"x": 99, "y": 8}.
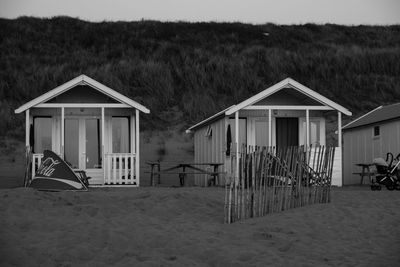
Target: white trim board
{"x": 82, "y": 105}
{"x": 288, "y": 82}
{"x": 82, "y": 80}
{"x": 287, "y": 107}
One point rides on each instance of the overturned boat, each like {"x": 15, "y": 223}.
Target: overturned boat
{"x": 54, "y": 174}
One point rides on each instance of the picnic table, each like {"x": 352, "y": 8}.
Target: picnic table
{"x": 365, "y": 171}
{"x": 181, "y": 168}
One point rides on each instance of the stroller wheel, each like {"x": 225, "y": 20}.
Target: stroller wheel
{"x": 390, "y": 187}
{"x": 373, "y": 187}
{"x": 378, "y": 187}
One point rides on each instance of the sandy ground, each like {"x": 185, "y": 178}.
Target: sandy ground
{"x": 167, "y": 226}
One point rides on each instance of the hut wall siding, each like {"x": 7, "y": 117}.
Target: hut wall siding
{"x": 360, "y": 146}
{"x": 209, "y": 148}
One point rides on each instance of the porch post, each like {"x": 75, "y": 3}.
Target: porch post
{"x": 27, "y": 129}
{"x": 137, "y": 147}
{"x": 62, "y": 131}
{"x": 339, "y": 129}
{"x": 237, "y": 144}
{"x": 28, "y": 154}
{"x": 307, "y": 128}
{"x": 102, "y": 145}
{"x": 269, "y": 127}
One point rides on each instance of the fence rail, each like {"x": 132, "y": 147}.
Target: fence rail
{"x": 272, "y": 179}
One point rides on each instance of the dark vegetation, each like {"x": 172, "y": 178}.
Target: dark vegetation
{"x": 185, "y": 72}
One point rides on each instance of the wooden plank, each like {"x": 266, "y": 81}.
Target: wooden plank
{"x": 137, "y": 167}
{"x": 126, "y": 165}
{"x": 114, "y": 168}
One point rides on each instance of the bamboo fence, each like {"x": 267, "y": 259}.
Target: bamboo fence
{"x": 273, "y": 179}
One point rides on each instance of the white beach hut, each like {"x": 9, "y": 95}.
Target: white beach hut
{"x": 92, "y": 127}
{"x": 285, "y": 114}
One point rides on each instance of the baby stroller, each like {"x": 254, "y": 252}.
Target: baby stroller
{"x": 387, "y": 173}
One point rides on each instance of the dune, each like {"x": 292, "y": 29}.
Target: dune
{"x": 166, "y": 226}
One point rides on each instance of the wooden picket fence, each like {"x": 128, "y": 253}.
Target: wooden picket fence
{"x": 273, "y": 179}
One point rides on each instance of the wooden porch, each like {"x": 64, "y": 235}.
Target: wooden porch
{"x": 118, "y": 169}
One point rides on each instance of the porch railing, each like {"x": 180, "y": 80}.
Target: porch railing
{"x": 119, "y": 169}
{"x": 36, "y": 161}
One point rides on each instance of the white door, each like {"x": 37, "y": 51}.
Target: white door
{"x": 82, "y": 143}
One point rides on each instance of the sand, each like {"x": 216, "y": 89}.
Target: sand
{"x": 184, "y": 227}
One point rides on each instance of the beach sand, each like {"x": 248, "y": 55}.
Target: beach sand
{"x": 167, "y": 226}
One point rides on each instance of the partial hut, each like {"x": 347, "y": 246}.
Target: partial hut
{"x": 285, "y": 114}
{"x": 92, "y": 127}
{"x": 370, "y": 136}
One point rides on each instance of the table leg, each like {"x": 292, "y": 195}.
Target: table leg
{"x": 152, "y": 175}
{"x": 182, "y": 177}
{"x": 159, "y": 170}
{"x": 369, "y": 175}
{"x": 362, "y": 175}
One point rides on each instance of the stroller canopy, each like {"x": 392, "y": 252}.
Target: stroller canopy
{"x": 380, "y": 162}
{"x": 55, "y": 175}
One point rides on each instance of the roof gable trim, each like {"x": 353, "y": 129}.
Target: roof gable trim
{"x": 294, "y": 85}
{"x": 82, "y": 80}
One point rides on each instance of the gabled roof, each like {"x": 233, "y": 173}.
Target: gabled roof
{"x": 379, "y": 114}
{"x": 209, "y": 119}
{"x": 288, "y": 82}
{"x": 82, "y": 80}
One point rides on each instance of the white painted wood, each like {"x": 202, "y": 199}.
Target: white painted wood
{"x": 132, "y": 169}
{"x": 83, "y": 105}
{"x": 109, "y": 166}
{"x": 54, "y": 134}
{"x": 137, "y": 152}
{"x": 337, "y": 167}
{"x": 288, "y": 82}
{"x": 237, "y": 145}
{"x": 269, "y": 127}
{"x": 339, "y": 129}
{"x": 125, "y": 167}
{"x": 114, "y": 164}
{"x": 322, "y": 131}
{"x": 27, "y": 128}
{"x": 62, "y": 131}
{"x": 120, "y": 165}
{"x": 36, "y": 161}
{"x": 82, "y": 144}
{"x": 283, "y": 107}
{"x": 133, "y": 133}
{"x": 82, "y": 80}
{"x": 307, "y": 127}
{"x": 221, "y": 113}
{"x": 102, "y": 141}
